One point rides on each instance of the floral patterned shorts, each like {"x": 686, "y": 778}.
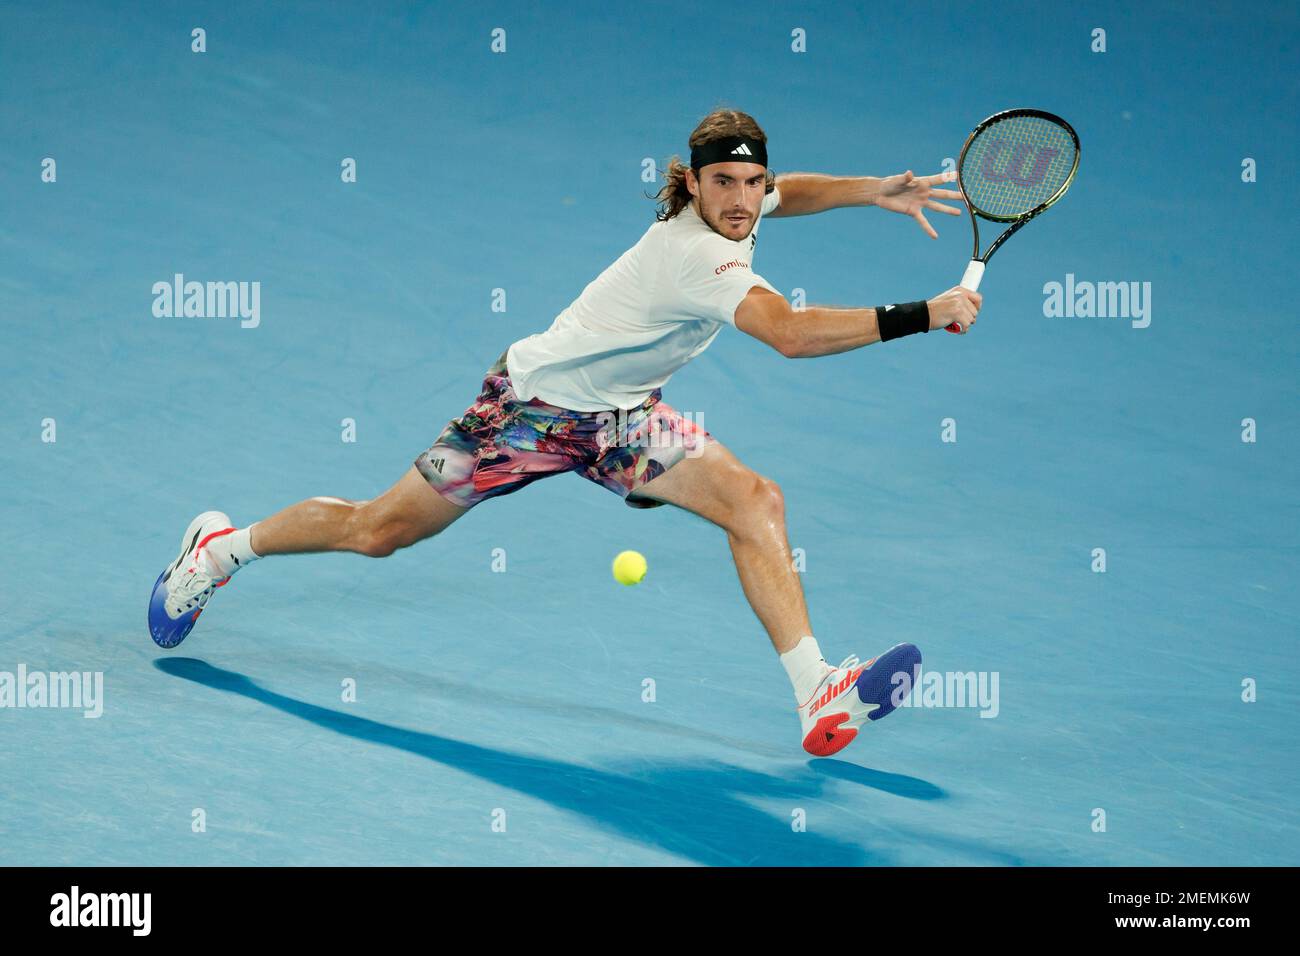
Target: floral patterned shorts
{"x": 502, "y": 444}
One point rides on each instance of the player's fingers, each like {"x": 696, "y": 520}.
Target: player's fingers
{"x": 940, "y": 207}
{"x": 925, "y": 224}
{"x": 940, "y": 177}
{"x": 946, "y": 194}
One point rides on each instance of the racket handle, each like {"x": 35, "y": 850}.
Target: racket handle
{"x": 970, "y": 280}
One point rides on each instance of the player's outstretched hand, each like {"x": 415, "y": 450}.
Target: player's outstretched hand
{"x": 912, "y": 195}
{"x": 957, "y": 305}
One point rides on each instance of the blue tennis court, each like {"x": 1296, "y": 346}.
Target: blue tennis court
{"x": 1088, "y": 522}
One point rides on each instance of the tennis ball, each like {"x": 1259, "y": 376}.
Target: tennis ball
{"x": 629, "y": 567}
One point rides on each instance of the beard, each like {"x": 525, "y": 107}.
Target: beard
{"x": 719, "y": 223}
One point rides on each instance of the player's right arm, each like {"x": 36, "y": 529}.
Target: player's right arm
{"x": 821, "y": 330}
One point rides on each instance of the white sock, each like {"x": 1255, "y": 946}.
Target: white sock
{"x": 805, "y": 666}
{"x": 230, "y": 552}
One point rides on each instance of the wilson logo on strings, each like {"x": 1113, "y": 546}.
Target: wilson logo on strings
{"x": 1037, "y": 158}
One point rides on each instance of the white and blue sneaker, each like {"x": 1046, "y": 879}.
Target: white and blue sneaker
{"x": 183, "y": 589}
{"x": 853, "y": 693}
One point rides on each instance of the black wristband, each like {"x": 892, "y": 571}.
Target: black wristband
{"x": 895, "y": 321}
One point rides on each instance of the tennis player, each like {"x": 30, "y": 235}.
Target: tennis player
{"x": 585, "y": 396}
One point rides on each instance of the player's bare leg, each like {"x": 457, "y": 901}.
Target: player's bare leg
{"x": 834, "y": 702}
{"x": 717, "y": 486}
{"x": 408, "y": 512}
{"x": 212, "y": 549}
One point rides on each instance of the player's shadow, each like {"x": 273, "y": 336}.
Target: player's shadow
{"x": 692, "y": 810}
{"x": 898, "y": 784}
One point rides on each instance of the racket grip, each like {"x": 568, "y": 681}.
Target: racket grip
{"x": 969, "y": 280}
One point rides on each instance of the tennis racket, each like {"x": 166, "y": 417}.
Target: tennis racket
{"x": 1013, "y": 166}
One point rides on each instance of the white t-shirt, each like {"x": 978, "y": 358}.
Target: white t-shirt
{"x": 657, "y": 307}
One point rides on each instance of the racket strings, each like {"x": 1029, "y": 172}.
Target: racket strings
{"x": 1015, "y": 165}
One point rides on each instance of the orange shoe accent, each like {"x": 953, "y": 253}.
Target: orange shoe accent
{"x": 216, "y": 534}
{"x": 833, "y": 691}
{"x": 204, "y": 543}
{"x": 826, "y": 738}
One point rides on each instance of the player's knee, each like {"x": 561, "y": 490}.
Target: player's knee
{"x": 771, "y": 501}
{"x": 376, "y": 545}
{"x": 383, "y": 541}
{"x": 376, "y": 535}
{"x": 762, "y": 505}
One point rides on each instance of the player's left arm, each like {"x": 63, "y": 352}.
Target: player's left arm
{"x": 803, "y": 194}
